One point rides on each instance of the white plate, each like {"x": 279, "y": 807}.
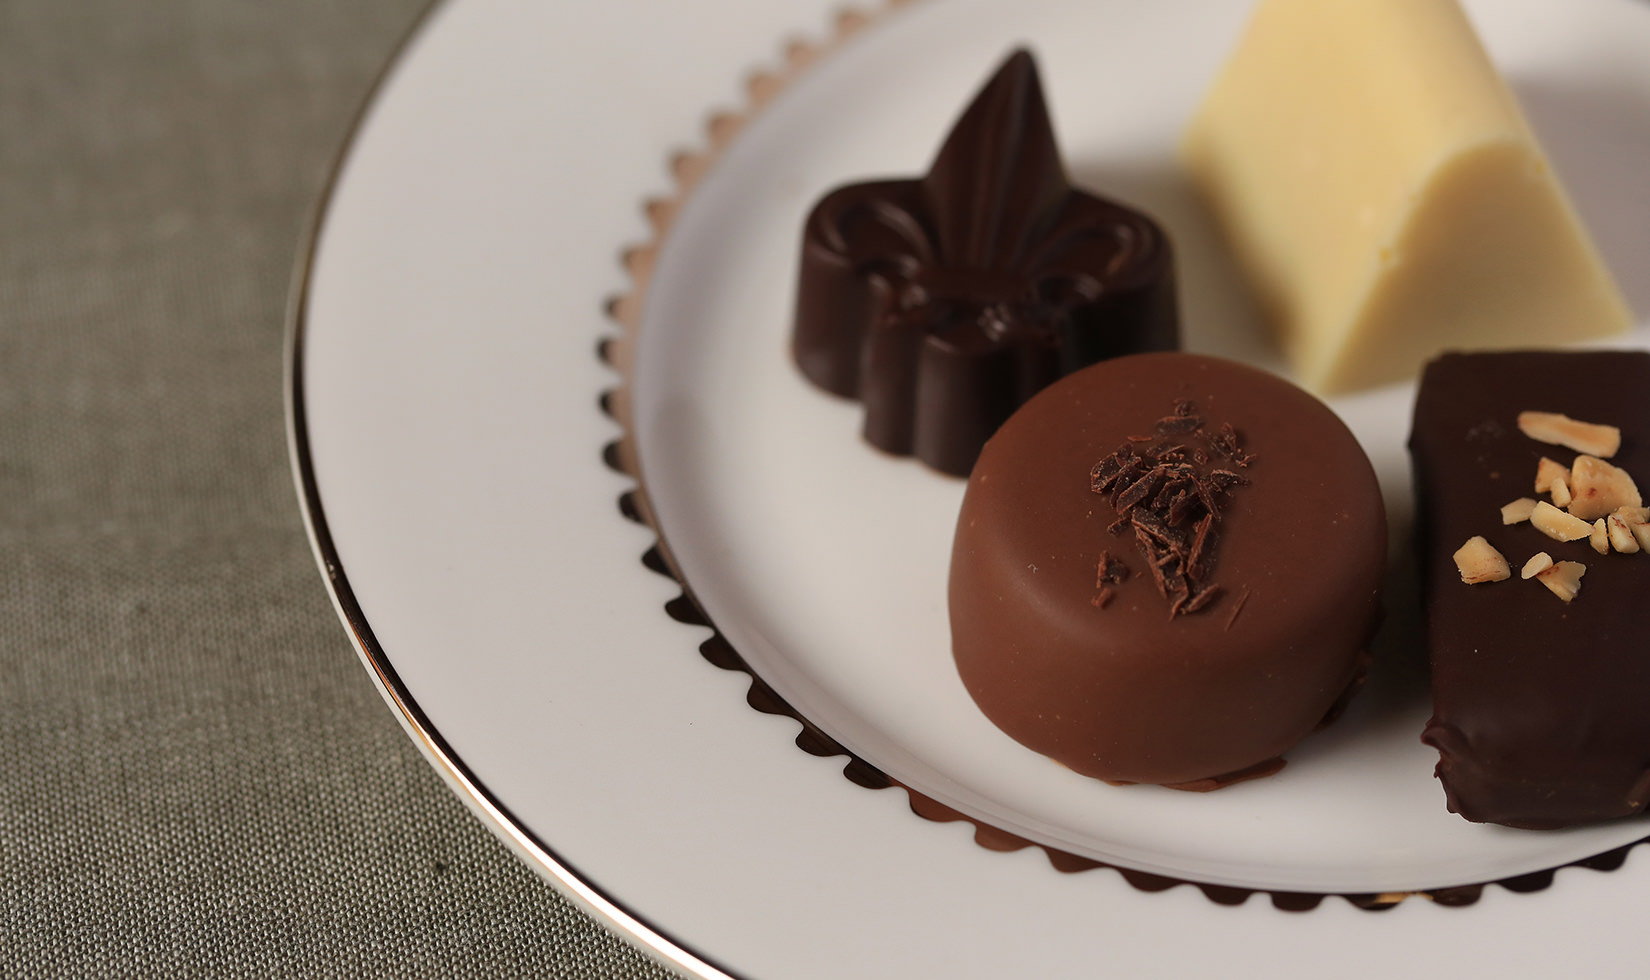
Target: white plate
{"x": 448, "y": 444}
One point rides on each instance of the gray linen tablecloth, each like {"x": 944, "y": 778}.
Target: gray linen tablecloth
{"x": 197, "y": 777}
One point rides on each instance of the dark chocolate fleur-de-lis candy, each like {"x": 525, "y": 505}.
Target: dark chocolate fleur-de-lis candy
{"x": 944, "y": 303}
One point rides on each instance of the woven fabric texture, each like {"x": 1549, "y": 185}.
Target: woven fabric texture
{"x": 197, "y": 778}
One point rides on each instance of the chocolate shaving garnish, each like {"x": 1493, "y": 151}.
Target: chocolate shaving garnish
{"x": 1157, "y": 491}
{"x": 1103, "y": 596}
{"x": 1237, "y": 608}
{"x": 1153, "y": 564}
{"x": 1112, "y": 571}
{"x": 1175, "y": 582}
{"x": 1191, "y": 602}
{"x": 1138, "y": 491}
{"x": 1148, "y": 545}
{"x": 1105, "y": 473}
{"x": 1184, "y": 506}
{"x": 1175, "y": 489}
{"x": 1165, "y": 587}
{"x": 1194, "y": 560}
{"x": 1131, "y": 468}
{"x": 1228, "y": 446}
{"x": 1178, "y": 423}
{"x": 1225, "y": 442}
{"x": 1206, "y": 496}
{"x": 1203, "y": 598}
{"x": 1171, "y": 538}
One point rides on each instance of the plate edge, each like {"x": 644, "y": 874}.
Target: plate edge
{"x": 573, "y": 884}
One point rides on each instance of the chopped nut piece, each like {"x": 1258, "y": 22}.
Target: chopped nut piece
{"x": 1518, "y": 511}
{"x": 1637, "y": 520}
{"x": 1556, "y": 524}
{"x": 1634, "y": 515}
{"x": 1561, "y": 493}
{"x": 1600, "y": 538}
{"x": 1621, "y": 535}
{"x": 1561, "y": 430}
{"x": 1564, "y": 579}
{"x": 1537, "y": 564}
{"x": 1597, "y": 488}
{"x": 1478, "y": 562}
{"x": 1547, "y": 471}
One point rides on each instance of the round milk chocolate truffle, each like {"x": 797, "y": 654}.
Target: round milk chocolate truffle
{"x": 1167, "y": 570}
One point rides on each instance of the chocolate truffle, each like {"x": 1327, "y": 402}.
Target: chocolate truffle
{"x": 1539, "y": 705}
{"x": 944, "y": 303}
{"x": 1167, "y": 570}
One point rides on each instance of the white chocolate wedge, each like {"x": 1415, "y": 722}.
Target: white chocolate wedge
{"x": 1385, "y": 195}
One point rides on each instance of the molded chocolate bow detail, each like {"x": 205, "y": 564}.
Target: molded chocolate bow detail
{"x": 945, "y": 303}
